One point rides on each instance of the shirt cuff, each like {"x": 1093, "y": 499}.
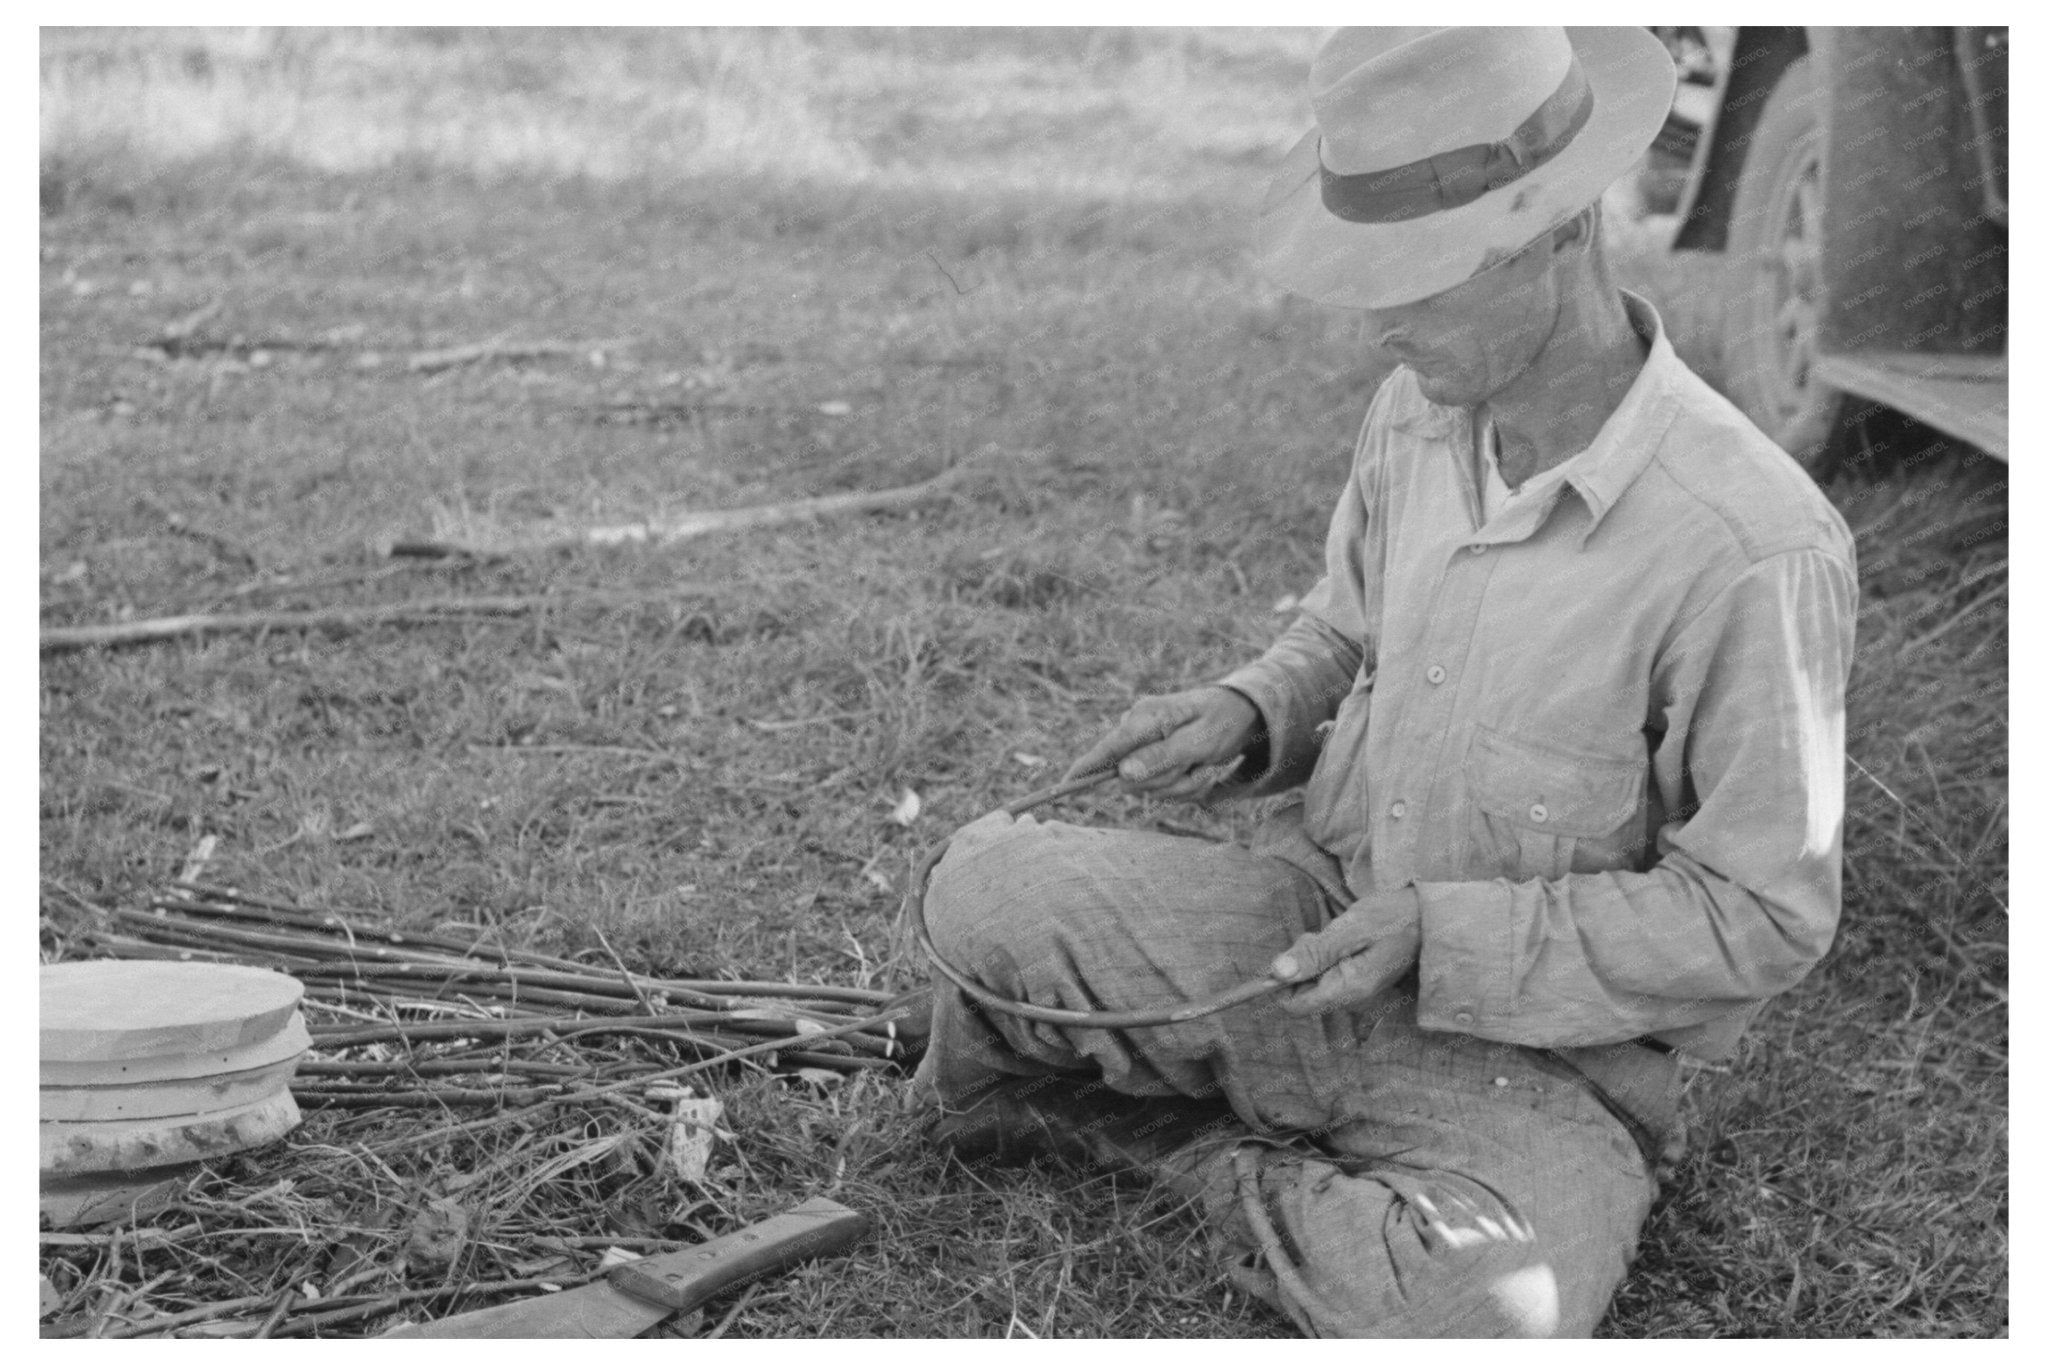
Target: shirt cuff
{"x": 1289, "y": 741}
{"x": 1467, "y": 929}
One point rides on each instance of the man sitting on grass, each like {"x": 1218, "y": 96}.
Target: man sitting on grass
{"x": 1568, "y": 707}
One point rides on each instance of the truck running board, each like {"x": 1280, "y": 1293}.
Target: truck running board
{"x": 1962, "y": 395}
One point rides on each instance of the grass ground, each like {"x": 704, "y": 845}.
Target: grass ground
{"x": 1009, "y": 242}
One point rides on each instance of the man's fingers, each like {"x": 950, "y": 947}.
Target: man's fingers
{"x": 1314, "y": 954}
{"x": 1144, "y": 725}
{"x": 1108, "y": 753}
{"x": 1094, "y": 761}
{"x": 1173, "y": 747}
{"x": 1200, "y": 783}
{"x": 1195, "y": 785}
{"x": 1104, "y": 755}
{"x": 1163, "y": 761}
{"x": 1352, "y": 981}
{"x": 1161, "y": 738}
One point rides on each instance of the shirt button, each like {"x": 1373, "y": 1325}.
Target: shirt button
{"x": 1463, "y": 1017}
{"x": 1436, "y": 673}
{"x": 1398, "y": 809}
{"x": 1539, "y": 812}
{"x": 1501, "y": 1082}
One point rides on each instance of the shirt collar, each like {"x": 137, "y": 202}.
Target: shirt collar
{"x": 1619, "y": 452}
{"x": 1629, "y": 437}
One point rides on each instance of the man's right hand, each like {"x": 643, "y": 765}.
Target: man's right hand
{"x": 1167, "y": 744}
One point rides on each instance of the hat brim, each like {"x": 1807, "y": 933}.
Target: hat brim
{"x": 1304, "y": 248}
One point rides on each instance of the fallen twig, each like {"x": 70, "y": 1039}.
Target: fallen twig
{"x": 678, "y": 1029}
{"x": 141, "y": 1238}
{"x": 773, "y": 1045}
{"x": 219, "y": 544}
{"x": 696, "y": 524}
{"x": 581, "y": 1243}
{"x": 356, "y": 576}
{"x": 181, "y": 329}
{"x": 373, "y": 1097}
{"x": 448, "y": 1067}
{"x": 227, "y": 903}
{"x": 285, "y": 1300}
{"x": 203, "y": 1313}
{"x": 586, "y": 1094}
{"x": 55, "y": 639}
{"x": 446, "y": 357}
{"x": 639, "y": 992}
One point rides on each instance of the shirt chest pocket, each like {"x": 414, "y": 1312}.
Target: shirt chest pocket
{"x": 1542, "y": 811}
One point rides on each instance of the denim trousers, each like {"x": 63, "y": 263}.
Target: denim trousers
{"x": 1372, "y": 1178}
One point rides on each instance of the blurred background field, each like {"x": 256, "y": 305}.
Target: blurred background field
{"x": 1073, "y": 111}
{"x": 795, "y": 262}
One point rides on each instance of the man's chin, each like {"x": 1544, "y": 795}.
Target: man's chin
{"x": 1446, "y": 393}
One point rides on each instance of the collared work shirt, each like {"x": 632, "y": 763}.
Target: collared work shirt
{"x": 1494, "y": 493}
{"x": 1600, "y": 733}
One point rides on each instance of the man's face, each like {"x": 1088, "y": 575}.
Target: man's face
{"x": 1471, "y": 341}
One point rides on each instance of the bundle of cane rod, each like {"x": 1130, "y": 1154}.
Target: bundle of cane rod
{"x": 407, "y": 1019}
{"x": 482, "y": 1121}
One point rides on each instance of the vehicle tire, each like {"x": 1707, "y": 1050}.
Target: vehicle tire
{"x": 1770, "y": 337}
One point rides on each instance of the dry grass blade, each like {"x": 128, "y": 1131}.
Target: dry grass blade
{"x": 1906, "y": 808}
{"x": 57, "y": 639}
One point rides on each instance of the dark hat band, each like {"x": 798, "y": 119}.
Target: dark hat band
{"x": 1450, "y": 179}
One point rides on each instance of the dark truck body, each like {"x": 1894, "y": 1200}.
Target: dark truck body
{"x": 1855, "y": 180}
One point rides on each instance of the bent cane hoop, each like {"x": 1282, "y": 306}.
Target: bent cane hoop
{"x": 913, "y": 911}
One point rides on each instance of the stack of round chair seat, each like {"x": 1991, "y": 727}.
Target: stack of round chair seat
{"x": 151, "y": 1065}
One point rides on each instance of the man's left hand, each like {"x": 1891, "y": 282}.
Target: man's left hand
{"x": 1359, "y": 954}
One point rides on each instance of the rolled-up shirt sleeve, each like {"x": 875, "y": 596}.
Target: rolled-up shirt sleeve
{"x": 1745, "y": 890}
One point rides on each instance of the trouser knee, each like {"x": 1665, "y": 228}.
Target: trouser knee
{"x": 988, "y": 895}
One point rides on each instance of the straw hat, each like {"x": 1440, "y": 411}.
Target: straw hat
{"x": 1438, "y": 152}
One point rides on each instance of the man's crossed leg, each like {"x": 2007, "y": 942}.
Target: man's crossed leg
{"x": 1368, "y": 1177}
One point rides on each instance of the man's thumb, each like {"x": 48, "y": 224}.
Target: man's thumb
{"x": 1314, "y": 954}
